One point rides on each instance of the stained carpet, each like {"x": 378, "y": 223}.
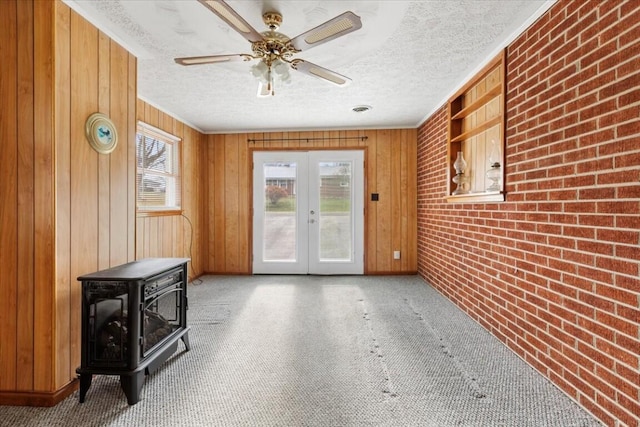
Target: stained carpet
{"x": 324, "y": 351}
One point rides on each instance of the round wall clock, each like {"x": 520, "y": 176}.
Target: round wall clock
{"x": 101, "y": 133}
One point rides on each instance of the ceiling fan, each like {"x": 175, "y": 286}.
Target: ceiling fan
{"x": 275, "y": 50}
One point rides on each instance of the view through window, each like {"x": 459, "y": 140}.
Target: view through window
{"x": 158, "y": 170}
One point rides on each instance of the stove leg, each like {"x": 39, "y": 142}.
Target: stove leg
{"x": 85, "y": 383}
{"x": 185, "y": 340}
{"x": 131, "y": 385}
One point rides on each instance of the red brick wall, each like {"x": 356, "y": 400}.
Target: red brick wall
{"x": 553, "y": 272}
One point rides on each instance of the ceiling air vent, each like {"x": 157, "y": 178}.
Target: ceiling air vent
{"x": 361, "y": 108}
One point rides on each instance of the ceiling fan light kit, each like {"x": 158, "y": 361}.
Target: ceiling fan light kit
{"x": 275, "y": 50}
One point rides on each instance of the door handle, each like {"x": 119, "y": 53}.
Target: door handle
{"x": 311, "y": 221}
{"x": 312, "y": 212}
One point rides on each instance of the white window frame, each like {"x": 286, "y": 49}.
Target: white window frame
{"x": 173, "y": 177}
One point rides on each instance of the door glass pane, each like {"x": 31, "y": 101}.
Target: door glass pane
{"x": 279, "y": 228}
{"x": 336, "y": 234}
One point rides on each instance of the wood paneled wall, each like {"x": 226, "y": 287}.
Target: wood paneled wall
{"x": 28, "y": 346}
{"x": 20, "y": 27}
{"x": 390, "y": 170}
{"x": 66, "y": 210}
{"x": 177, "y": 235}
{"x": 95, "y": 201}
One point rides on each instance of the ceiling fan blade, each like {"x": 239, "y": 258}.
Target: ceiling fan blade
{"x": 213, "y": 59}
{"x": 231, "y": 17}
{"x": 333, "y": 28}
{"x": 320, "y": 72}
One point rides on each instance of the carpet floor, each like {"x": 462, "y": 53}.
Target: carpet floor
{"x": 324, "y": 351}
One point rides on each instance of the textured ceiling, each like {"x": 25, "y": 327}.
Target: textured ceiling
{"x": 405, "y": 61}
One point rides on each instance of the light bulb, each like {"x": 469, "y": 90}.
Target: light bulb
{"x": 279, "y": 67}
{"x": 260, "y": 72}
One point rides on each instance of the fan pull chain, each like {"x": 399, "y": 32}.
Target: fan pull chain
{"x": 270, "y": 84}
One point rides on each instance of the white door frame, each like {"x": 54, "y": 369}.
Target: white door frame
{"x": 306, "y": 259}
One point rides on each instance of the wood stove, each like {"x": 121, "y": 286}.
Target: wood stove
{"x": 133, "y": 316}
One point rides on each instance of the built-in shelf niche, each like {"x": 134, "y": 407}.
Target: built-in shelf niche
{"x": 476, "y": 118}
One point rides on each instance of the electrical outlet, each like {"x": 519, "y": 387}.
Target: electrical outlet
{"x": 396, "y": 254}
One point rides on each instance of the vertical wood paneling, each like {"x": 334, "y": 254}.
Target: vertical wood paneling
{"x": 185, "y": 226}
{"x": 44, "y": 354}
{"x": 104, "y": 161}
{"x": 384, "y": 205}
{"x": 8, "y": 194}
{"x": 390, "y": 223}
{"x": 212, "y": 228}
{"x": 132, "y": 99}
{"x": 401, "y": 264}
{"x": 176, "y": 229}
{"x": 231, "y": 174}
{"x": 200, "y": 227}
{"x": 175, "y": 236}
{"x": 153, "y": 224}
{"x": 152, "y": 116}
{"x": 85, "y": 225}
{"x": 119, "y": 159}
{"x": 371, "y": 239}
{"x": 139, "y": 238}
{"x": 64, "y": 281}
{"x": 165, "y": 234}
{"x": 26, "y": 206}
{"x": 245, "y": 180}
{"x": 219, "y": 209}
{"x": 395, "y": 195}
{"x": 145, "y": 243}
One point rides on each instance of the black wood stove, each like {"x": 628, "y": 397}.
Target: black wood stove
{"x": 133, "y": 316}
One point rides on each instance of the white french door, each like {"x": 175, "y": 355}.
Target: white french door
{"x": 308, "y": 212}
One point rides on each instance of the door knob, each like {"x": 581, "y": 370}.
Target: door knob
{"x": 312, "y": 212}
{"x": 311, "y": 221}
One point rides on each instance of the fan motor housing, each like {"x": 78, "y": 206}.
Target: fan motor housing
{"x": 274, "y": 44}
{"x": 273, "y": 20}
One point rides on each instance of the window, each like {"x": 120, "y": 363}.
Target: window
{"x": 158, "y": 180}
